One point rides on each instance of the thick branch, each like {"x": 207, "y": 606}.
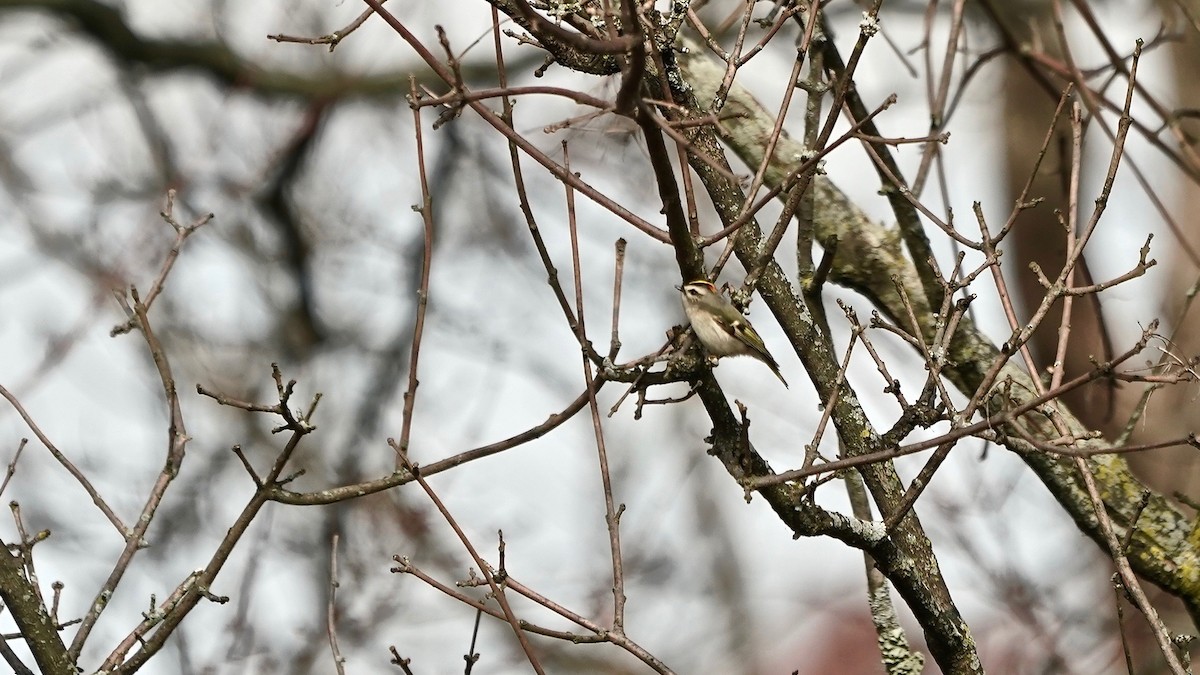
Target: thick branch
{"x": 907, "y": 559}
{"x": 1161, "y": 549}
{"x": 32, "y": 619}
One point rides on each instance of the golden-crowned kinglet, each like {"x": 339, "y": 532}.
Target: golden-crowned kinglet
{"x": 720, "y": 327}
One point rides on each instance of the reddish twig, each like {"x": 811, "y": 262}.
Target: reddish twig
{"x": 484, "y": 568}
{"x": 612, "y": 514}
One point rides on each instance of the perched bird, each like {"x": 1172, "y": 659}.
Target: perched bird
{"x": 720, "y": 327}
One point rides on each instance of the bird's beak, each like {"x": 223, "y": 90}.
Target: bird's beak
{"x": 679, "y": 288}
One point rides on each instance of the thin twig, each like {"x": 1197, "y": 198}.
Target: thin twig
{"x": 12, "y": 466}
{"x": 66, "y": 463}
{"x": 614, "y": 344}
{"x": 612, "y": 514}
{"x": 497, "y": 590}
{"x": 498, "y": 123}
{"x": 332, "y": 39}
{"x": 339, "y": 661}
{"x": 426, "y": 211}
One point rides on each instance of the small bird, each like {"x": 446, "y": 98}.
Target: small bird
{"x": 720, "y": 327}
